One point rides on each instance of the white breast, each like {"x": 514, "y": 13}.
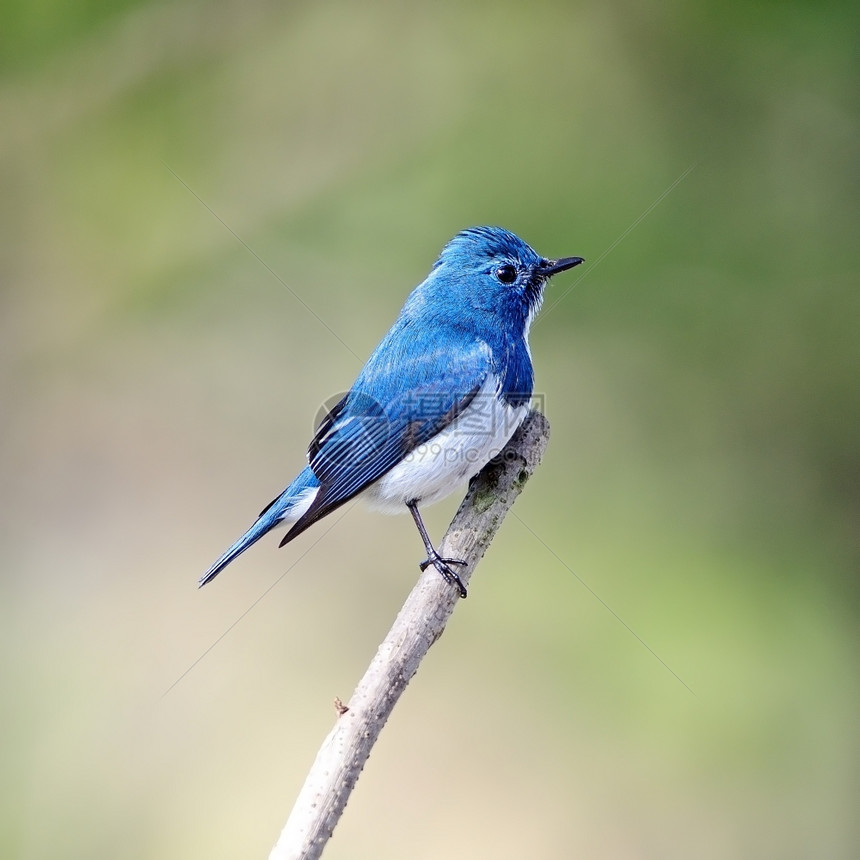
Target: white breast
{"x": 452, "y": 457}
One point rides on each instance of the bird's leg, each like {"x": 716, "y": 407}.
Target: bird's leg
{"x": 433, "y": 557}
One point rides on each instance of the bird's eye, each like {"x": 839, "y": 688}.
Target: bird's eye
{"x": 506, "y": 274}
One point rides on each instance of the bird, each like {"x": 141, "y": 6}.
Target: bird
{"x": 439, "y": 397}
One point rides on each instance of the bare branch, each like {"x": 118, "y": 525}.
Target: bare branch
{"x": 418, "y": 625}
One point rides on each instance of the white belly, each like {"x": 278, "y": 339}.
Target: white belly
{"x": 452, "y": 457}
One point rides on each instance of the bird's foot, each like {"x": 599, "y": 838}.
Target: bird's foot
{"x": 443, "y": 566}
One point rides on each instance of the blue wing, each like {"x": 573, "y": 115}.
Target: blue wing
{"x": 402, "y": 399}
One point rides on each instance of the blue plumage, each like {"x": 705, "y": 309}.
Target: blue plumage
{"x": 441, "y": 394}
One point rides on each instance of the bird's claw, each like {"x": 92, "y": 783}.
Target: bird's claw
{"x": 450, "y": 576}
{"x": 435, "y": 561}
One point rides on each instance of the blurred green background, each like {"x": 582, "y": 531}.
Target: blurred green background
{"x": 159, "y": 386}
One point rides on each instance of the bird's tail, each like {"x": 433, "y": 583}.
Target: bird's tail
{"x": 283, "y": 510}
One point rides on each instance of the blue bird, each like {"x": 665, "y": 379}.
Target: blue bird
{"x": 439, "y": 397}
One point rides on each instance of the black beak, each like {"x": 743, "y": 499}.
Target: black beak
{"x": 548, "y": 268}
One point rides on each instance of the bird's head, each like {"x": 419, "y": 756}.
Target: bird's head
{"x": 491, "y": 269}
